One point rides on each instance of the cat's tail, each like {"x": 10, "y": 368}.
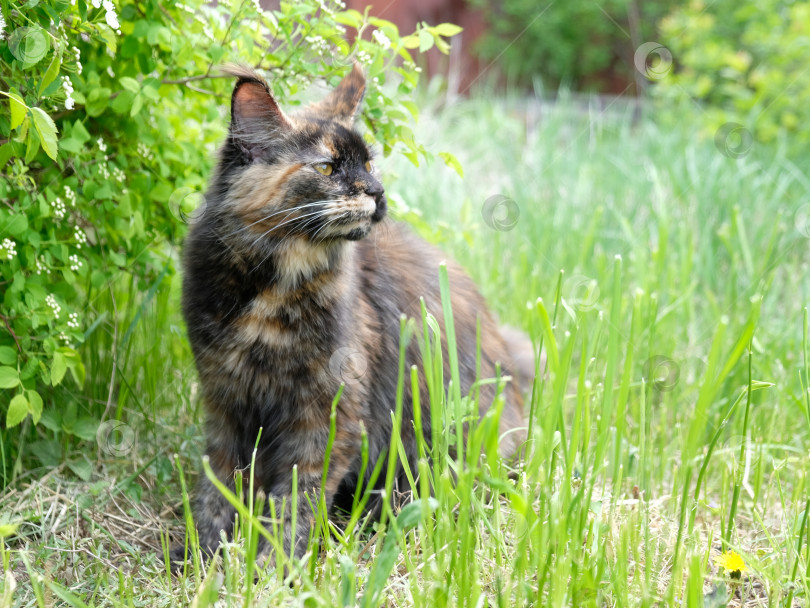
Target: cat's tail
{"x": 522, "y": 355}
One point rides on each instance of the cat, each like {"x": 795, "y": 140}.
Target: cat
{"x": 294, "y": 281}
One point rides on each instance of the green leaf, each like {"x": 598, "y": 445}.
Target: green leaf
{"x": 85, "y": 428}
{"x": 52, "y": 72}
{"x": 97, "y": 101}
{"x": 82, "y": 468}
{"x": 79, "y": 132}
{"x": 137, "y": 104}
{"x": 58, "y": 368}
{"x": 8, "y": 356}
{"x": 78, "y": 372}
{"x": 447, "y": 29}
{"x": 17, "y": 225}
{"x": 123, "y": 102}
{"x": 18, "y": 110}
{"x": 35, "y": 405}
{"x": 425, "y": 40}
{"x": 9, "y": 378}
{"x": 47, "y": 131}
{"x": 17, "y": 410}
{"x": 8, "y": 529}
{"x": 130, "y": 84}
{"x": 452, "y": 162}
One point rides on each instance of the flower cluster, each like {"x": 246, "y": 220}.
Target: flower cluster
{"x": 59, "y": 208}
{"x": 75, "y": 262}
{"x": 103, "y": 171}
{"x": 42, "y": 267}
{"x": 144, "y": 151}
{"x": 324, "y": 4}
{"x": 50, "y": 300}
{"x": 78, "y": 55}
{"x": 119, "y": 175}
{"x": 364, "y": 57}
{"x": 80, "y": 237}
{"x": 70, "y": 195}
{"x": 10, "y": 247}
{"x": 101, "y": 145}
{"x": 73, "y": 320}
{"x": 111, "y": 17}
{"x": 383, "y": 40}
{"x": 319, "y": 44}
{"x": 68, "y": 86}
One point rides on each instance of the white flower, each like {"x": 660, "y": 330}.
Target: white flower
{"x": 80, "y": 237}
{"x": 59, "y": 208}
{"x": 101, "y": 145}
{"x": 110, "y": 16}
{"x": 10, "y": 247}
{"x": 78, "y": 54}
{"x": 50, "y": 300}
{"x": 41, "y": 266}
{"x": 383, "y": 40}
{"x": 68, "y": 86}
{"x": 2, "y": 27}
{"x": 70, "y": 195}
{"x": 119, "y": 175}
{"x": 75, "y": 262}
{"x": 143, "y": 150}
{"x": 110, "y": 72}
{"x": 96, "y": 3}
{"x": 73, "y": 320}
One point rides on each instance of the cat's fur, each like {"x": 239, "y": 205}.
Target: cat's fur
{"x": 294, "y": 281}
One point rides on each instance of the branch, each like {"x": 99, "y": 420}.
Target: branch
{"x": 11, "y": 331}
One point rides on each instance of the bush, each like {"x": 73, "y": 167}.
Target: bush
{"x": 114, "y": 114}
{"x": 579, "y": 44}
{"x": 744, "y": 61}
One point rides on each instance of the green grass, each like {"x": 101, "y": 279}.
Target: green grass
{"x": 666, "y": 284}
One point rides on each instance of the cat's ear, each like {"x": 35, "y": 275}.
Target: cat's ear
{"x": 256, "y": 118}
{"x": 344, "y": 102}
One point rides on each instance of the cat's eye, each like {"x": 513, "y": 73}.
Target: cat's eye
{"x": 368, "y": 166}
{"x": 324, "y": 168}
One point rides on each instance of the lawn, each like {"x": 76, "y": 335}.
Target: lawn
{"x": 665, "y": 281}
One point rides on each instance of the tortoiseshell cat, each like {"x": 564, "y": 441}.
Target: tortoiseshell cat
{"x": 292, "y": 262}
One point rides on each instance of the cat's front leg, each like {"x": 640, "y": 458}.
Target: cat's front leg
{"x": 211, "y": 511}
{"x": 309, "y": 468}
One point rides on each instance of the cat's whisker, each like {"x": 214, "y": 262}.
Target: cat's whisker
{"x": 264, "y": 234}
{"x": 279, "y": 212}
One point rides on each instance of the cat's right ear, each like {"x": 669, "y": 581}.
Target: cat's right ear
{"x": 256, "y": 119}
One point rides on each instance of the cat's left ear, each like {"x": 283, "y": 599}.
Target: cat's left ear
{"x": 344, "y": 102}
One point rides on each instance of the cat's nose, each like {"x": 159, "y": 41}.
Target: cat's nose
{"x": 373, "y": 187}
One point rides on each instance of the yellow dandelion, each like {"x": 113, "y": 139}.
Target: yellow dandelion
{"x": 732, "y": 563}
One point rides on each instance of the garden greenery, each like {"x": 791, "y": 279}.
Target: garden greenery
{"x": 112, "y": 116}
{"x": 743, "y": 62}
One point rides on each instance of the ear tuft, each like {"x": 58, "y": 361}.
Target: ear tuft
{"x": 256, "y": 118}
{"x": 345, "y": 100}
